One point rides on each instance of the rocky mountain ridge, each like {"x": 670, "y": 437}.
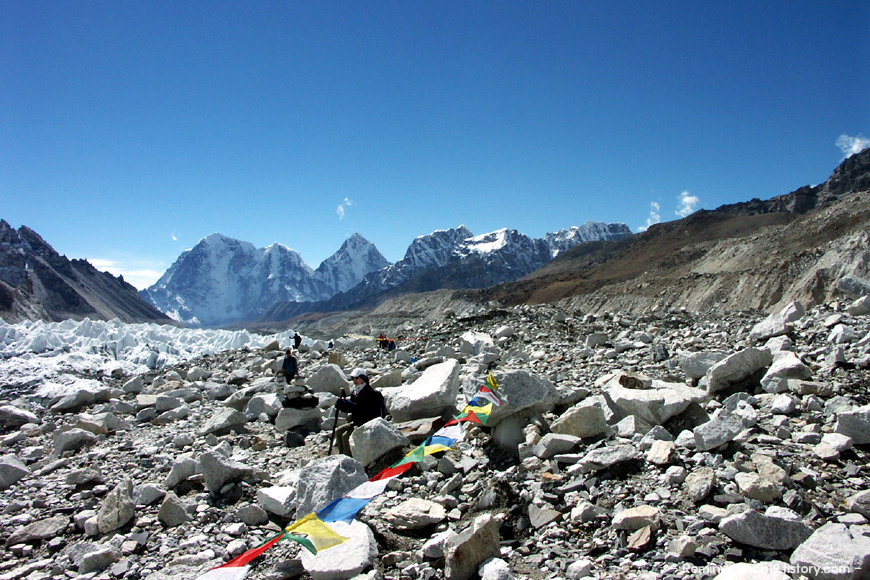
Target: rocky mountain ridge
{"x": 717, "y": 261}
{"x": 757, "y": 255}
{"x": 37, "y": 283}
{"x": 455, "y": 259}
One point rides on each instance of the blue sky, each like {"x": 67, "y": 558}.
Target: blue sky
{"x": 130, "y": 129}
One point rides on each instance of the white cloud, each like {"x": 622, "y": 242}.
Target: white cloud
{"x": 654, "y": 216}
{"x": 851, "y": 145}
{"x": 140, "y": 275}
{"x": 687, "y": 204}
{"x": 174, "y": 239}
{"x": 341, "y": 208}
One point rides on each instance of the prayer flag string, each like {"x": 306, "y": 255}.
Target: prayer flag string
{"x": 317, "y": 535}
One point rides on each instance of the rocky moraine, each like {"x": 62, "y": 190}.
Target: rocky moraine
{"x": 670, "y": 445}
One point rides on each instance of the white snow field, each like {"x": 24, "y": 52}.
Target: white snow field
{"x": 31, "y": 352}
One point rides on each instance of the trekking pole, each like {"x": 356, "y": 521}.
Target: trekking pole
{"x": 334, "y": 424}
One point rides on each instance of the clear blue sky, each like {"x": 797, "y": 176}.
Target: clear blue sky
{"x": 130, "y": 129}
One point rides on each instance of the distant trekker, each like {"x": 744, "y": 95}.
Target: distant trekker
{"x": 290, "y": 366}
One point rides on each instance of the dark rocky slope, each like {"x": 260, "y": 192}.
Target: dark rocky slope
{"x": 37, "y": 283}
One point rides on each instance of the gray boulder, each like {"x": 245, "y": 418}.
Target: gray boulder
{"x": 12, "y": 470}
{"x": 762, "y": 531}
{"x": 855, "y": 423}
{"x": 553, "y": 444}
{"x": 373, "y": 440}
{"x": 859, "y": 307}
{"x": 117, "y": 508}
{"x": 264, "y": 403}
{"x": 786, "y": 366}
{"x": 717, "y": 431}
{"x": 696, "y": 364}
{"x": 39, "y": 530}
{"x": 223, "y": 421}
{"x": 520, "y": 391}
{"x": 585, "y": 419}
{"x": 654, "y": 405}
{"x": 853, "y": 286}
{"x": 174, "y": 511}
{"x": 217, "y": 471}
{"x": 12, "y": 417}
{"x": 415, "y": 513}
{"x": 323, "y": 480}
{"x": 279, "y": 500}
{"x": 72, "y": 440}
{"x": 699, "y": 483}
{"x": 290, "y": 418}
{"x": 835, "y": 552}
{"x": 328, "y": 379}
{"x": 347, "y": 560}
{"x": 182, "y": 468}
{"x": 605, "y": 457}
{"x": 466, "y": 551}
{"x": 737, "y": 368}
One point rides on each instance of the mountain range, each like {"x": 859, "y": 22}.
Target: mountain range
{"x": 758, "y": 254}
{"x": 753, "y": 255}
{"x": 223, "y": 282}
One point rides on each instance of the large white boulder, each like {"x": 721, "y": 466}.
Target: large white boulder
{"x": 328, "y": 379}
{"x": 654, "y": 405}
{"x": 429, "y": 396}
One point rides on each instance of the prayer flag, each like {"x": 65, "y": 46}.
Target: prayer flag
{"x": 415, "y": 455}
{"x": 305, "y": 542}
{"x": 486, "y": 410}
{"x": 452, "y": 430}
{"x": 490, "y": 380}
{"x": 370, "y": 488}
{"x": 343, "y": 509}
{"x": 391, "y": 472}
{"x": 489, "y": 395}
{"x": 244, "y": 558}
{"x": 440, "y": 440}
{"x": 318, "y": 532}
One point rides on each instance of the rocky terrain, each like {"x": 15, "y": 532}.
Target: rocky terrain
{"x": 670, "y": 444}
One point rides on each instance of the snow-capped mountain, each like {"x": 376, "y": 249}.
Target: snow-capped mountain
{"x": 344, "y": 269}
{"x": 588, "y": 232}
{"x": 455, "y": 258}
{"x": 425, "y": 252}
{"x": 223, "y": 281}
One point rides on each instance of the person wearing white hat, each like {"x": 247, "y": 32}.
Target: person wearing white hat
{"x": 364, "y": 404}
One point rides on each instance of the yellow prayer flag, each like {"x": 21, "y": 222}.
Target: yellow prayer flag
{"x": 321, "y": 535}
{"x": 478, "y": 410}
{"x": 430, "y": 449}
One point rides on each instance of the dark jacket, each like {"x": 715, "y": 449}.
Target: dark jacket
{"x": 365, "y": 406}
{"x": 290, "y": 366}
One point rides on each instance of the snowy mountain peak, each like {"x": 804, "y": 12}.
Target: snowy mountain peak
{"x": 223, "y": 281}
{"x": 490, "y": 242}
{"x": 590, "y": 231}
{"x": 349, "y": 265}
